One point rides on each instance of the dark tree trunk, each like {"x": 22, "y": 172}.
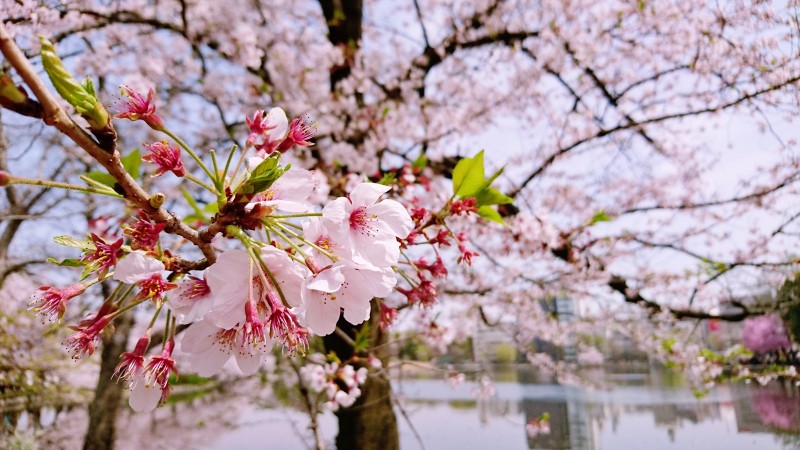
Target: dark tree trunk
{"x": 370, "y": 423}
{"x": 105, "y": 407}
{"x": 343, "y": 18}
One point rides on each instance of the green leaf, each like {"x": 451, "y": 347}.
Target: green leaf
{"x": 387, "y": 179}
{"x": 191, "y": 201}
{"x": 489, "y": 213}
{"x": 494, "y": 176}
{"x": 491, "y": 196}
{"x": 599, "y": 216}
{"x": 421, "y": 162}
{"x": 262, "y": 177}
{"x": 468, "y": 176}
{"x": 132, "y": 163}
{"x": 211, "y": 208}
{"x": 88, "y": 86}
{"x": 102, "y": 177}
{"x": 69, "y": 262}
{"x": 69, "y": 241}
{"x": 362, "y": 339}
{"x": 10, "y": 91}
{"x": 81, "y": 96}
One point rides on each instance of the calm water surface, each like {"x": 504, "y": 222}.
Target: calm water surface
{"x": 645, "y": 409}
{"x": 651, "y": 410}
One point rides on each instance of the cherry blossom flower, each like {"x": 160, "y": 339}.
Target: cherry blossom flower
{"x": 145, "y": 272}
{"x": 131, "y": 366}
{"x": 166, "y": 157}
{"x": 191, "y": 300}
{"x": 463, "y": 206}
{"x": 51, "y": 302}
{"x": 82, "y": 342}
{"x": 340, "y": 383}
{"x": 144, "y": 233}
{"x": 388, "y": 316}
{"x": 315, "y": 231}
{"x": 346, "y": 287}
{"x": 283, "y": 325}
{"x": 137, "y": 107}
{"x": 371, "y": 229}
{"x": 288, "y": 193}
{"x": 424, "y": 293}
{"x": 314, "y": 377}
{"x": 466, "y": 254}
{"x": 301, "y": 130}
{"x": 535, "y": 427}
{"x": 209, "y": 347}
{"x": 437, "y": 269}
{"x": 267, "y": 130}
{"x": 102, "y": 257}
{"x": 234, "y": 279}
{"x": 144, "y": 397}
{"x": 150, "y": 387}
{"x": 161, "y": 366}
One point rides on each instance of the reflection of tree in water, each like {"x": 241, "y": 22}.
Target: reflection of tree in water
{"x": 194, "y": 423}
{"x": 778, "y": 406}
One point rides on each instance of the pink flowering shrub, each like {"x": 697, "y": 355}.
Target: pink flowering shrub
{"x": 764, "y": 334}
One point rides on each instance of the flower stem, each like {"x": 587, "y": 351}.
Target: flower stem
{"x": 311, "y": 244}
{"x": 190, "y": 152}
{"x": 191, "y": 177}
{"x": 56, "y": 184}
{"x": 291, "y": 216}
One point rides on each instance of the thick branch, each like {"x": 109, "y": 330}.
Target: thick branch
{"x": 55, "y": 116}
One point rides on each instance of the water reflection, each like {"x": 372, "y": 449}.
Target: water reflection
{"x": 650, "y": 409}
{"x": 647, "y": 408}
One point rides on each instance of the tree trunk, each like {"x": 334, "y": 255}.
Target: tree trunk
{"x": 370, "y": 423}
{"x": 108, "y": 395}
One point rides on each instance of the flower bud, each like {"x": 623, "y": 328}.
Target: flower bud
{"x": 80, "y": 95}
{"x": 157, "y": 199}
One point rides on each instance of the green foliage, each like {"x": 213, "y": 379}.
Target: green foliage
{"x": 10, "y": 91}
{"x": 362, "y": 339}
{"x": 789, "y": 294}
{"x": 600, "y": 216}
{"x": 262, "y": 177}
{"x": 68, "y": 262}
{"x": 491, "y": 196}
{"x": 505, "y": 353}
{"x": 102, "y": 178}
{"x": 668, "y": 344}
{"x": 133, "y": 163}
{"x": 80, "y": 95}
{"x": 468, "y": 176}
{"x": 469, "y": 181}
{"x": 387, "y": 179}
{"x": 712, "y": 268}
{"x": 421, "y": 162}
{"x": 69, "y": 241}
{"x": 199, "y": 214}
{"x": 487, "y": 212}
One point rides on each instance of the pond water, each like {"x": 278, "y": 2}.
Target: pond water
{"x": 645, "y": 409}
{"x": 650, "y": 410}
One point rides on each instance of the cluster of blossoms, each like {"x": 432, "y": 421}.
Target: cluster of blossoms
{"x": 288, "y": 271}
{"x": 338, "y": 383}
{"x": 538, "y": 426}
